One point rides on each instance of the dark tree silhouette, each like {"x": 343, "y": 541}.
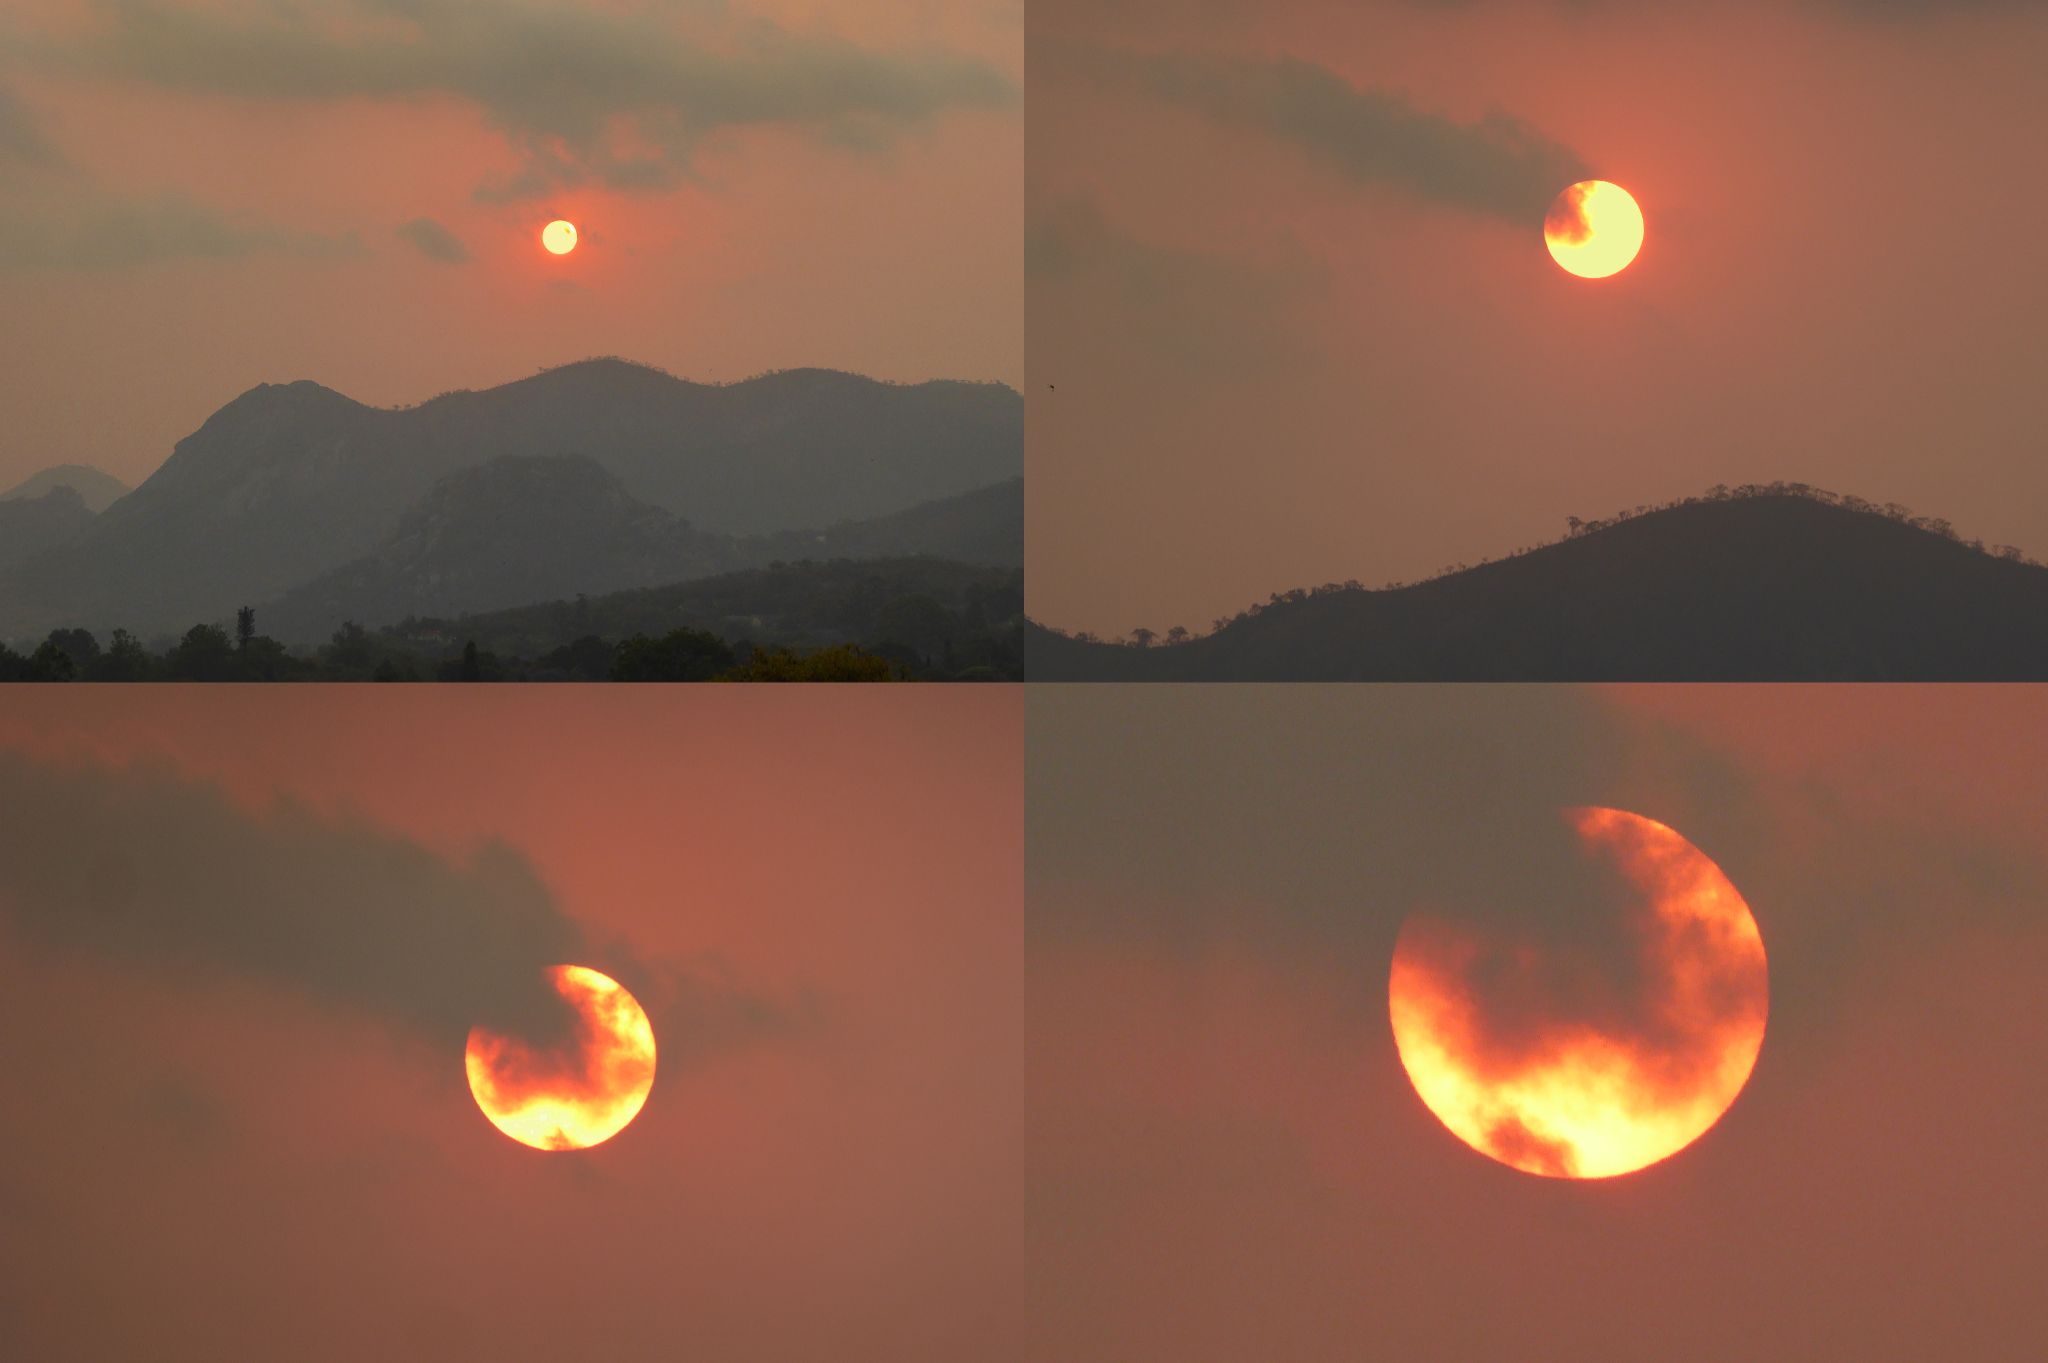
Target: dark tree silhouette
{"x": 204, "y": 654}
{"x": 921, "y": 617}
{"x": 683, "y": 655}
{"x": 51, "y": 663}
{"x": 842, "y": 663}
{"x": 124, "y": 660}
{"x": 921, "y": 624}
{"x": 78, "y": 645}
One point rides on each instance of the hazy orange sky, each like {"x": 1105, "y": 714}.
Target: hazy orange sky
{"x": 1226, "y": 1159}
{"x": 250, "y": 1134}
{"x": 1285, "y": 268}
{"x": 204, "y": 195}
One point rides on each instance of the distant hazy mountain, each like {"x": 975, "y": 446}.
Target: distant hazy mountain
{"x": 95, "y": 489}
{"x": 34, "y": 525}
{"x": 505, "y": 533}
{"x": 984, "y": 527}
{"x": 292, "y": 481}
{"x": 521, "y": 530}
{"x": 1766, "y": 587}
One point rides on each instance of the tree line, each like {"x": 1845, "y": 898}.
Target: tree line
{"x": 207, "y": 653}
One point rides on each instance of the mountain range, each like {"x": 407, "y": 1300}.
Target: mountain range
{"x": 527, "y": 529}
{"x": 294, "y": 494}
{"x": 1775, "y": 585}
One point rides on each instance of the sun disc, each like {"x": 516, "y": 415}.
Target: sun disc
{"x": 1497, "y": 1037}
{"x": 1594, "y": 229}
{"x": 559, "y": 237}
{"x": 580, "y": 1091}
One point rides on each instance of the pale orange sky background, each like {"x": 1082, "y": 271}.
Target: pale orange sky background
{"x": 221, "y": 1161}
{"x": 1273, "y": 374}
{"x": 885, "y": 241}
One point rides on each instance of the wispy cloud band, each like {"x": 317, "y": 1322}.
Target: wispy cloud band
{"x": 618, "y": 96}
{"x": 1499, "y": 166}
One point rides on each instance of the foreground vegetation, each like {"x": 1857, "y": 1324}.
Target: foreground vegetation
{"x": 206, "y": 654}
{"x": 900, "y": 620}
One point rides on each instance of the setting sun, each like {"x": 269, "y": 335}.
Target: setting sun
{"x": 1594, "y": 229}
{"x": 579, "y": 1092}
{"x": 559, "y": 237}
{"x": 1504, "y": 1042}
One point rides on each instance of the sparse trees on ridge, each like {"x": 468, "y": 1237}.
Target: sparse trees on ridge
{"x": 1577, "y": 528}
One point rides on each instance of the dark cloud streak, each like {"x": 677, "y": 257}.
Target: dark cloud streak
{"x": 21, "y": 137}
{"x": 76, "y": 226}
{"x": 1500, "y": 166}
{"x": 149, "y": 867}
{"x": 145, "y": 866}
{"x": 59, "y": 218}
{"x": 434, "y": 241}
{"x": 1313, "y": 821}
{"x": 1211, "y": 314}
{"x": 563, "y": 84}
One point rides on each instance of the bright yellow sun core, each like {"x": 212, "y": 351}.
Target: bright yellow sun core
{"x": 584, "y": 1088}
{"x": 559, "y": 237}
{"x": 1495, "y": 1033}
{"x": 1594, "y": 229}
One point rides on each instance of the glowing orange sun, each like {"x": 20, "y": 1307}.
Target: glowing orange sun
{"x": 559, "y": 237}
{"x": 1594, "y": 229}
{"x": 580, "y": 1091}
{"x": 1536, "y": 1054}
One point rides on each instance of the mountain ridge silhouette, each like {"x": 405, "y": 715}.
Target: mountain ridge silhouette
{"x": 527, "y": 529}
{"x": 1780, "y": 584}
{"x": 290, "y": 481}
